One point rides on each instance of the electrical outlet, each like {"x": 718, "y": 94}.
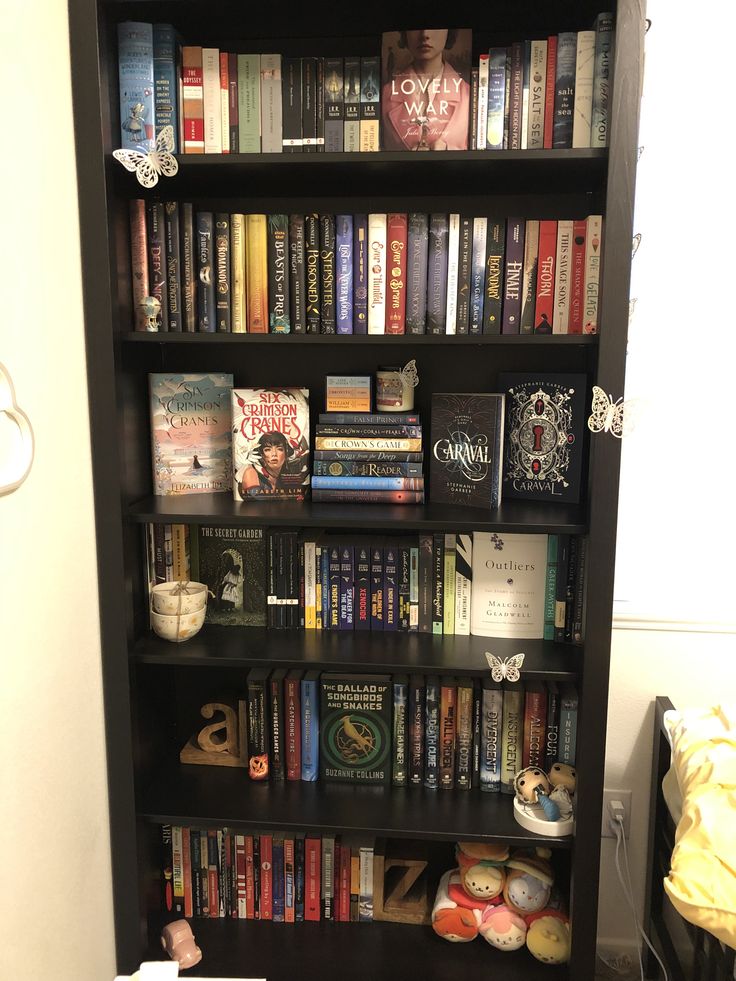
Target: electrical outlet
{"x": 625, "y": 797}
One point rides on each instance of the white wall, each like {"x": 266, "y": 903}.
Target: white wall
{"x": 55, "y": 902}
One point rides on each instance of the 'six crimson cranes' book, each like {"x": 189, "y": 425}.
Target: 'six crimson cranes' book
{"x": 190, "y": 438}
{"x": 270, "y": 443}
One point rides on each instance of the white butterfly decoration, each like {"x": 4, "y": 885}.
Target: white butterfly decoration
{"x": 159, "y": 160}
{"x": 409, "y": 375}
{"x": 607, "y": 416}
{"x": 508, "y": 669}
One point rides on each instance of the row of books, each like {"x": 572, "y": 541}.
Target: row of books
{"x": 363, "y": 274}
{"x": 443, "y": 583}
{"x": 552, "y": 93}
{"x": 283, "y": 878}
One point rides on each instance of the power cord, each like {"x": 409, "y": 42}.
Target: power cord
{"x": 616, "y": 822}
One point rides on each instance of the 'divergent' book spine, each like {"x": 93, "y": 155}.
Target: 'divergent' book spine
{"x": 437, "y": 273}
{"x": 165, "y": 80}
{"x": 344, "y": 273}
{"x": 360, "y": 274}
{"x": 278, "y": 274}
{"x": 327, "y": 273}
{"x": 297, "y": 305}
{"x": 157, "y": 259}
{"x": 490, "y": 743}
{"x": 493, "y": 299}
{"x": 222, "y": 272}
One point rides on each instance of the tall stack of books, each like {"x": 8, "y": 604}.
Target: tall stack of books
{"x": 368, "y": 457}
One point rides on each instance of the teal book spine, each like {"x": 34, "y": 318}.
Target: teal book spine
{"x": 310, "y": 726}
{"x": 166, "y": 82}
{"x": 550, "y": 588}
{"x": 136, "y": 79}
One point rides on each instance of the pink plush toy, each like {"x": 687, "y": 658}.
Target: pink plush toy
{"x": 503, "y": 928}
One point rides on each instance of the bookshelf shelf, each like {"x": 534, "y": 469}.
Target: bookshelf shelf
{"x": 242, "y": 647}
{"x": 401, "y": 340}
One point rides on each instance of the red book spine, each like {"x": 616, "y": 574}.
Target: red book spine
{"x": 577, "y": 288}
{"x": 186, "y": 870}
{"x": 138, "y": 260}
{"x": 396, "y": 235}
{"x": 312, "y": 875}
{"x": 225, "y": 101}
{"x": 192, "y": 99}
{"x": 289, "y": 880}
{"x": 292, "y": 712}
{"x": 250, "y": 896}
{"x": 213, "y": 885}
{"x": 535, "y": 728}
{"x": 344, "y": 905}
{"x": 544, "y": 309}
{"x": 240, "y": 889}
{"x": 549, "y": 91}
{"x": 266, "y": 901}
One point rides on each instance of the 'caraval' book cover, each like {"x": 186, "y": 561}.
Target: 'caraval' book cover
{"x": 231, "y": 561}
{"x": 270, "y": 429}
{"x": 545, "y": 424}
{"x": 190, "y": 433}
{"x": 466, "y": 449}
{"x": 425, "y": 101}
{"x": 355, "y": 728}
{"x": 509, "y": 573}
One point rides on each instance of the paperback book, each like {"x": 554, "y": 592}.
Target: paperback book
{"x": 270, "y": 443}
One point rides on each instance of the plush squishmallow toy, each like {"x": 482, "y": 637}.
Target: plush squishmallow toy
{"x": 453, "y": 922}
{"x": 548, "y": 937}
{"x": 529, "y": 880}
{"x": 503, "y": 928}
{"x": 482, "y": 878}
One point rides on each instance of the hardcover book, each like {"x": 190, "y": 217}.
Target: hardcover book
{"x": 509, "y": 573}
{"x": 545, "y": 420}
{"x": 467, "y": 449}
{"x": 360, "y": 274}
{"x": 425, "y": 102}
{"x": 136, "y": 78}
{"x": 564, "y": 90}
{"x": 223, "y": 281}
{"x": 351, "y": 105}
{"x": 437, "y": 273}
{"x": 231, "y": 561}
{"x": 190, "y": 438}
{"x": 355, "y": 728}
{"x": 278, "y": 274}
{"x": 602, "y": 79}
{"x": 270, "y": 443}
{"x": 491, "y": 715}
{"x": 493, "y": 302}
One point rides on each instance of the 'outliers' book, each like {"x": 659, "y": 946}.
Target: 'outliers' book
{"x": 270, "y": 443}
{"x": 425, "y": 103}
{"x": 466, "y": 449}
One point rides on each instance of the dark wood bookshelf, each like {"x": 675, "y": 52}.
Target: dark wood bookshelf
{"x": 401, "y": 340}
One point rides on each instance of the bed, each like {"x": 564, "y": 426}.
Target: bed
{"x": 690, "y": 953}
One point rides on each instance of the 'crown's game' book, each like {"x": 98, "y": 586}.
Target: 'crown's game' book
{"x": 270, "y": 429}
{"x": 466, "y": 449}
{"x": 425, "y": 101}
{"x": 190, "y": 438}
{"x": 355, "y": 728}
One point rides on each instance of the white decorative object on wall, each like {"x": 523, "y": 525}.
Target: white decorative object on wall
{"x": 507, "y": 670}
{"x": 617, "y": 418}
{"x": 16, "y": 438}
{"x": 148, "y": 166}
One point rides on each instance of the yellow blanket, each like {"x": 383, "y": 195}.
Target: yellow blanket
{"x": 702, "y": 879}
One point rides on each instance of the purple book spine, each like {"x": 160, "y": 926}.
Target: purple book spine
{"x": 360, "y": 274}
{"x": 362, "y": 594}
{"x": 513, "y": 276}
{"x": 376, "y": 587}
{"x": 334, "y": 588}
{"x": 391, "y": 588}
{"x": 344, "y": 270}
{"x": 347, "y": 595}
{"x": 437, "y": 274}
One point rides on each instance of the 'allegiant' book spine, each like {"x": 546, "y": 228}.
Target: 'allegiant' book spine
{"x": 360, "y": 274}
{"x": 311, "y": 252}
{"x": 327, "y": 272}
{"x": 344, "y": 273}
{"x": 278, "y": 274}
{"x": 222, "y": 272}
{"x": 513, "y": 278}
{"x": 157, "y": 259}
{"x": 297, "y": 284}
{"x": 478, "y": 276}
{"x": 493, "y": 299}
{"x": 465, "y": 259}
{"x": 416, "y": 273}
{"x": 188, "y": 268}
{"x": 437, "y": 273}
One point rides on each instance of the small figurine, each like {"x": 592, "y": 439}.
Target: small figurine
{"x": 533, "y": 787}
{"x": 563, "y": 779}
{"x": 177, "y": 940}
{"x": 482, "y": 878}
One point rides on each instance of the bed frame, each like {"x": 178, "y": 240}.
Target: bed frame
{"x": 688, "y": 952}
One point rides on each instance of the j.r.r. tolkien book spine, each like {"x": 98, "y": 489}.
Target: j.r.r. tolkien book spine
{"x": 291, "y": 100}
{"x": 157, "y": 259}
{"x": 465, "y": 258}
{"x": 344, "y": 273}
{"x": 238, "y": 318}
{"x": 438, "y": 570}
{"x": 494, "y": 275}
{"x": 396, "y": 245}
{"x": 249, "y": 103}
{"x": 477, "y": 728}
{"x": 511, "y": 735}
{"x": 424, "y": 584}
{"x": 447, "y": 737}
{"x": 537, "y": 73}
{"x": 222, "y": 273}
{"x": 271, "y": 104}
{"x": 399, "y": 741}
{"x": 496, "y": 98}
{"x": 529, "y": 278}
{"x": 513, "y": 276}
{"x": 362, "y": 587}
{"x": 313, "y": 279}
{"x": 232, "y": 101}
{"x": 327, "y": 272}
{"x": 448, "y": 586}
{"x": 535, "y": 724}
{"x": 437, "y": 273}
{"x": 463, "y": 582}
{"x": 347, "y": 584}
{"x": 563, "y": 264}
{"x": 276, "y": 716}
{"x": 549, "y": 91}
{"x": 173, "y": 265}
{"x": 490, "y": 743}
{"x": 478, "y": 276}
{"x": 351, "y": 104}
{"x": 432, "y": 733}
{"x": 602, "y": 79}
{"x": 552, "y": 726}
{"x": 136, "y": 75}
{"x": 593, "y": 247}
{"x": 390, "y": 583}
{"x": 279, "y": 319}
{"x": 583, "y": 106}
{"x": 550, "y": 587}
{"x": 333, "y": 102}
{"x": 310, "y": 725}
{"x": 138, "y": 261}
{"x": 453, "y": 259}
{"x": 256, "y": 273}
{"x": 297, "y": 308}
{"x": 545, "y": 299}
{"x": 205, "y": 272}
{"x": 376, "y": 587}
{"x": 292, "y": 722}
{"x": 370, "y": 104}
{"x": 577, "y": 278}
{"x": 564, "y": 90}
{"x": 568, "y": 723}
{"x": 416, "y": 272}
{"x": 464, "y": 734}
{"x": 415, "y": 724}
{"x": 258, "y": 733}
{"x": 188, "y": 268}
{"x": 309, "y": 104}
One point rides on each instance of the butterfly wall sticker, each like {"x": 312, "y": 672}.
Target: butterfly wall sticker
{"x": 148, "y": 166}
{"x": 409, "y": 374}
{"x": 607, "y": 416}
{"x": 507, "y": 670}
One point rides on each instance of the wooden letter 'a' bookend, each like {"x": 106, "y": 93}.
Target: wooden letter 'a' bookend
{"x": 400, "y": 883}
{"x": 223, "y": 742}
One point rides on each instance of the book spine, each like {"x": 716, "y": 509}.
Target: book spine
{"x": 157, "y": 277}
{"x": 203, "y": 871}
{"x": 378, "y": 431}
{"x": 319, "y": 105}
{"x": 266, "y": 866}
{"x": 291, "y": 96}
{"x": 368, "y": 456}
{"x": 517, "y": 82}
{"x": 225, "y": 101}
{"x": 416, "y": 272}
{"x": 249, "y": 103}
{"x": 494, "y": 274}
{"x": 431, "y": 732}
{"x": 577, "y": 278}
{"x": 165, "y": 80}
{"x": 527, "y": 56}
{"x": 297, "y": 308}
{"x": 325, "y": 567}
{"x": 477, "y": 732}
{"x": 351, "y": 105}
{"x": 333, "y": 588}
{"x": 448, "y": 586}
{"x": 310, "y": 586}
{"x": 360, "y": 274}
{"x": 232, "y": 102}
{"x": 416, "y": 722}
{"x": 511, "y": 736}
{"x": 513, "y": 277}
{"x": 292, "y": 715}
{"x": 213, "y": 874}
{"x": 593, "y": 248}
{"x": 136, "y": 80}
{"x": 177, "y": 869}
{"x": 312, "y": 878}
{"x": 279, "y": 321}
{"x": 545, "y": 299}
{"x": 368, "y": 483}
{"x": 529, "y": 278}
{"x": 289, "y": 881}
{"x": 327, "y": 272}
{"x": 579, "y": 593}
{"x": 563, "y": 262}
{"x": 490, "y": 753}
{"x": 437, "y": 273}
{"x": 507, "y": 100}
{"x": 602, "y": 79}
{"x": 211, "y": 100}
{"x": 496, "y": 98}
{"x": 550, "y": 588}
{"x": 549, "y": 91}
{"x": 396, "y": 242}
{"x": 206, "y": 281}
{"x": 404, "y": 583}
{"x": 188, "y": 268}
{"x": 300, "y": 883}
{"x": 354, "y": 884}
{"x": 271, "y": 104}
{"x": 318, "y": 588}
{"x": 438, "y": 568}
{"x": 473, "y": 140}
{"x": 276, "y": 715}
{"x": 256, "y": 273}
{"x": 192, "y": 99}
{"x": 310, "y": 728}
{"x": 309, "y": 104}
{"x": 365, "y": 890}
{"x": 334, "y": 99}
{"x": 240, "y": 878}
{"x": 414, "y": 586}
{"x": 167, "y": 869}
{"x": 223, "y": 273}
{"x": 482, "y": 122}
{"x": 399, "y": 767}
{"x": 552, "y": 727}
{"x": 537, "y": 76}
{"x": 563, "y": 565}
{"x": 478, "y": 276}
{"x": 370, "y": 104}
{"x": 564, "y": 90}
{"x": 453, "y": 259}
{"x": 464, "y": 735}
{"x": 138, "y": 261}
{"x": 195, "y": 861}
{"x": 237, "y": 257}
{"x": 568, "y": 728}
{"x": 376, "y": 588}
{"x": 463, "y": 583}
{"x": 448, "y": 710}
{"x": 464, "y": 270}
{"x": 390, "y": 583}
{"x": 313, "y": 280}
{"x": 328, "y": 877}
{"x": 344, "y": 273}
{"x": 376, "y": 274}
{"x": 258, "y": 763}
{"x": 425, "y": 590}
{"x": 278, "y": 880}
{"x": 535, "y": 724}
{"x": 347, "y": 586}
{"x": 362, "y": 588}
{"x": 583, "y": 105}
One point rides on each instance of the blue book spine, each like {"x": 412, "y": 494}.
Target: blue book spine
{"x": 399, "y": 761}
{"x": 136, "y": 79}
{"x": 344, "y": 264}
{"x": 325, "y": 588}
{"x": 490, "y": 737}
{"x": 360, "y": 274}
{"x": 310, "y": 726}
{"x": 166, "y": 82}
{"x": 376, "y": 585}
{"x": 362, "y": 592}
{"x": 496, "y": 98}
{"x": 205, "y": 272}
{"x": 277, "y": 859}
{"x": 416, "y": 273}
{"x": 478, "y": 276}
{"x": 347, "y": 586}
{"x": 439, "y": 228}
{"x": 567, "y": 51}
{"x": 333, "y": 591}
{"x": 431, "y": 733}
{"x": 362, "y": 483}
{"x": 299, "y": 880}
{"x": 391, "y": 588}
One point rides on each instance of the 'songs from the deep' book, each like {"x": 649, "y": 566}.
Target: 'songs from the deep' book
{"x": 270, "y": 429}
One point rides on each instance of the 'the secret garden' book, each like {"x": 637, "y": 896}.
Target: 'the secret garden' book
{"x": 231, "y": 561}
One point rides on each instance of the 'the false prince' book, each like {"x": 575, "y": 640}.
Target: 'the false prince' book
{"x": 270, "y": 429}
{"x": 509, "y": 573}
{"x": 467, "y": 449}
{"x": 355, "y": 728}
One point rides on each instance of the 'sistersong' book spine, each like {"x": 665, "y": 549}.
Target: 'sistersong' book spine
{"x": 173, "y": 263}
{"x": 327, "y": 272}
{"x": 222, "y": 267}
{"x": 188, "y": 268}
{"x": 278, "y": 274}
{"x": 311, "y": 231}
{"x": 360, "y": 274}
{"x": 416, "y": 273}
{"x": 157, "y": 259}
{"x": 437, "y": 274}
{"x": 297, "y": 274}
{"x": 205, "y": 285}
{"x": 344, "y": 264}
{"x": 492, "y": 304}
